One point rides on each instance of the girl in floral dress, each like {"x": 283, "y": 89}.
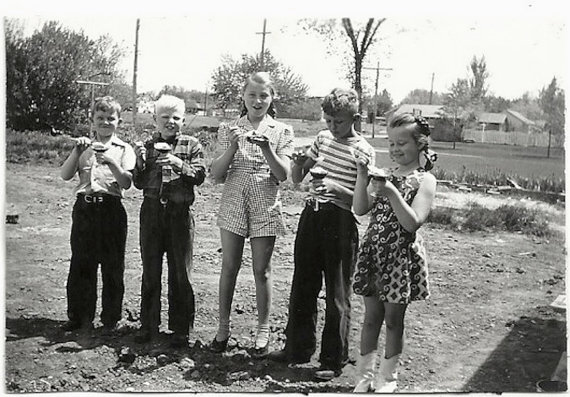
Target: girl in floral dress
{"x": 391, "y": 267}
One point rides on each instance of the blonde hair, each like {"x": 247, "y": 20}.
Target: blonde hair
{"x": 169, "y": 102}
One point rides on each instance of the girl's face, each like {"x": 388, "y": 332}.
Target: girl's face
{"x": 257, "y": 98}
{"x": 402, "y": 145}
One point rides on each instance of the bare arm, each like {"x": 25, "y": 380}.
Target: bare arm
{"x": 70, "y": 165}
{"x": 362, "y": 200}
{"x": 412, "y": 217}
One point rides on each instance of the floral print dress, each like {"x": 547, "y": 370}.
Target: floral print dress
{"x": 391, "y": 262}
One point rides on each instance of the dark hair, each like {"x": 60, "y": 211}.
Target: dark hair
{"x": 421, "y": 134}
{"x": 260, "y": 78}
{"x": 341, "y": 100}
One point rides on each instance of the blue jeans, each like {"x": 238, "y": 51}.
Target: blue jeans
{"x": 326, "y": 245}
{"x": 167, "y": 229}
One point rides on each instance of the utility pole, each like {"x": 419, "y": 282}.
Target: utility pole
{"x": 378, "y": 69}
{"x": 431, "y": 89}
{"x": 135, "y": 108}
{"x": 261, "y": 63}
{"x": 92, "y": 84}
{"x": 206, "y": 102}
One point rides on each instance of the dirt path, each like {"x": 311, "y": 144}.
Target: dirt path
{"x": 487, "y": 328}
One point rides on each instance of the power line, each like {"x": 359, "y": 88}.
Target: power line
{"x": 378, "y": 69}
{"x": 261, "y": 63}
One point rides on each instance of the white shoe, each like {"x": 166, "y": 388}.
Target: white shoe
{"x": 387, "y": 377}
{"x": 365, "y": 372}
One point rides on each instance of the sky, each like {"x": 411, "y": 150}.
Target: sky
{"x": 525, "y": 44}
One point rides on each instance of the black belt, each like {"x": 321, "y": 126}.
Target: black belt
{"x": 166, "y": 200}
{"x": 317, "y": 205}
{"x": 97, "y": 198}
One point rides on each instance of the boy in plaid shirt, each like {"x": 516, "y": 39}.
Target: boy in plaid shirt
{"x": 168, "y": 167}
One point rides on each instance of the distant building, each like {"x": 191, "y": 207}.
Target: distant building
{"x": 493, "y": 121}
{"x": 428, "y": 112}
{"x": 517, "y": 122}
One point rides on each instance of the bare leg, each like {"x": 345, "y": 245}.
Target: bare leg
{"x": 262, "y": 250}
{"x": 372, "y": 324}
{"x": 394, "y": 319}
{"x": 232, "y": 250}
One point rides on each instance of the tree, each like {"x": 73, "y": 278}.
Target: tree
{"x": 422, "y": 97}
{"x": 383, "y": 104}
{"x": 228, "y": 80}
{"x": 358, "y": 37}
{"x": 495, "y": 104}
{"x": 42, "y": 71}
{"x": 552, "y": 101}
{"x": 478, "y": 80}
{"x": 456, "y": 103}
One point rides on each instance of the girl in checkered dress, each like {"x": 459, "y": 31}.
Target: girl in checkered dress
{"x": 391, "y": 267}
{"x": 256, "y": 157}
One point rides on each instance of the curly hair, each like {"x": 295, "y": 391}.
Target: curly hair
{"x": 106, "y": 103}
{"x": 421, "y": 133}
{"x": 341, "y": 100}
{"x": 265, "y": 79}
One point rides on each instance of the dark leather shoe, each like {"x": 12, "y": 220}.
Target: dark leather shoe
{"x": 283, "y": 357}
{"x": 219, "y": 346}
{"x": 70, "y": 326}
{"x": 326, "y": 374}
{"x": 179, "y": 341}
{"x": 145, "y": 336}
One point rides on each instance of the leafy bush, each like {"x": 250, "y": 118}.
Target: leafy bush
{"x": 475, "y": 217}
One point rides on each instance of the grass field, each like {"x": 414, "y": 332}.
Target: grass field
{"x": 526, "y": 162}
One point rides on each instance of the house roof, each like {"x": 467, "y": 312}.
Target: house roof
{"x": 433, "y": 111}
{"x": 520, "y": 117}
{"x": 492, "y": 118}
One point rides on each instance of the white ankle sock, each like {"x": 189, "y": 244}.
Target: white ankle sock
{"x": 223, "y": 330}
{"x": 262, "y": 336}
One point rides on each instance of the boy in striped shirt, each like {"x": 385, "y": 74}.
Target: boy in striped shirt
{"x": 327, "y": 238}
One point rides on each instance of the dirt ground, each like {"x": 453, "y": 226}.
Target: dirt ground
{"x": 487, "y": 328}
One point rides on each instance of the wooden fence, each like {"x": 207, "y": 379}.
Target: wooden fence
{"x": 516, "y": 138}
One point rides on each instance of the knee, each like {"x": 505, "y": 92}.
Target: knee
{"x": 262, "y": 275}
{"x": 394, "y": 323}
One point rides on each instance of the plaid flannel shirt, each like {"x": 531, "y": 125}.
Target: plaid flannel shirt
{"x": 181, "y": 187}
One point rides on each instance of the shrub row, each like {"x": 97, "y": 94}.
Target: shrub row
{"x": 476, "y": 217}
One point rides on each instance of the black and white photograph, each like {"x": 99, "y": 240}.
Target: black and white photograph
{"x": 249, "y": 197}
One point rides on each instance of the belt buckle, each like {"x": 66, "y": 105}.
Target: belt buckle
{"x": 313, "y": 203}
{"x": 163, "y": 200}
{"x": 89, "y": 199}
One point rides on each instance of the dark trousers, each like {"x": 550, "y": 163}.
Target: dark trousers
{"x": 325, "y": 244}
{"x": 98, "y": 236}
{"x": 167, "y": 229}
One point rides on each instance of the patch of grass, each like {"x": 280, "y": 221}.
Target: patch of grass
{"x": 475, "y": 217}
{"x": 497, "y": 177}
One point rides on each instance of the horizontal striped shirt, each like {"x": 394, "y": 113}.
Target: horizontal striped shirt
{"x": 338, "y": 158}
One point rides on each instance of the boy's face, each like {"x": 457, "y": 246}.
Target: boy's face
{"x": 105, "y": 122}
{"x": 169, "y": 122}
{"x": 340, "y": 125}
